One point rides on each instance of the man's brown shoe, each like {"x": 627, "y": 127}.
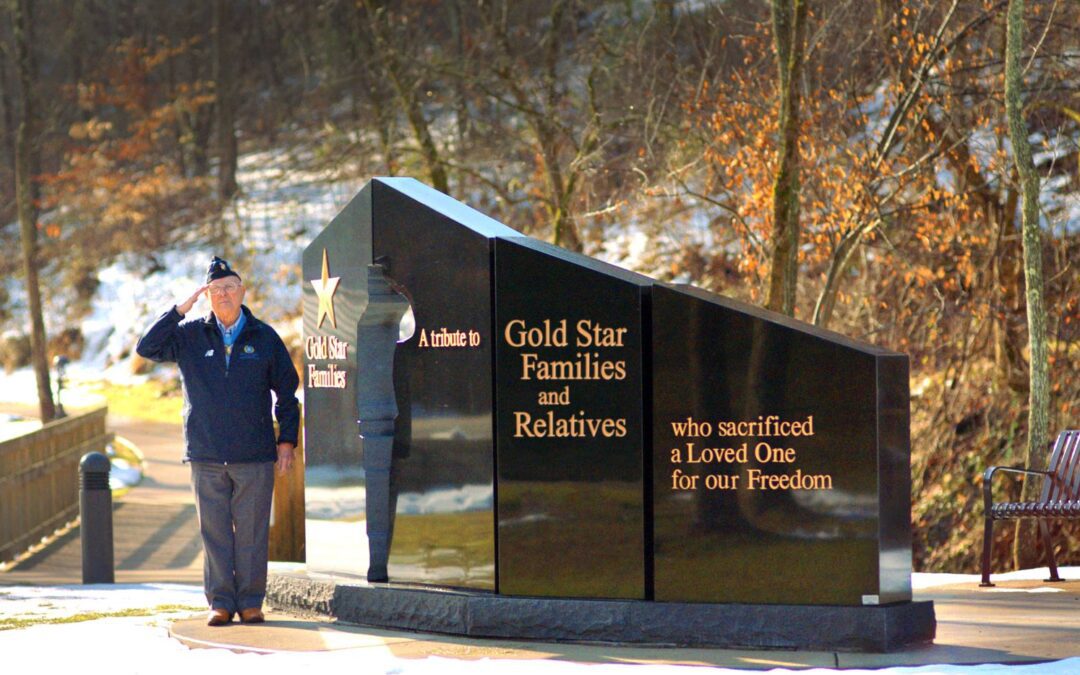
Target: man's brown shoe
{"x": 218, "y": 617}
{"x": 252, "y": 615}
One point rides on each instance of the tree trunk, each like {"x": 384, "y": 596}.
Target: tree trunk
{"x": 263, "y": 18}
{"x": 178, "y": 124}
{"x": 407, "y": 94}
{"x": 540, "y": 100}
{"x": 665, "y": 12}
{"x": 461, "y": 102}
{"x": 422, "y": 131}
{"x": 841, "y": 260}
{"x": 888, "y": 26}
{"x": 26, "y": 201}
{"x": 7, "y": 132}
{"x": 1007, "y": 273}
{"x": 380, "y": 98}
{"x": 563, "y": 225}
{"x": 564, "y": 230}
{"x": 1039, "y": 395}
{"x": 203, "y": 122}
{"x": 789, "y": 29}
{"x": 225, "y": 108}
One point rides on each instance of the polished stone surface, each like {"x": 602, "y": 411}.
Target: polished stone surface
{"x": 332, "y": 437}
{"x": 437, "y": 253}
{"x": 380, "y": 329}
{"x": 333, "y": 451}
{"x": 790, "y": 510}
{"x": 570, "y": 433}
{"x": 564, "y": 428}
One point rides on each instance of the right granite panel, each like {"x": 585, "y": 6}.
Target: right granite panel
{"x": 780, "y": 457}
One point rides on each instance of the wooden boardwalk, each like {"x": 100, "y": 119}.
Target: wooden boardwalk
{"x": 155, "y": 532}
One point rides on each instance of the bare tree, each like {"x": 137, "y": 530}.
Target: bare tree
{"x": 529, "y": 81}
{"x": 789, "y": 36}
{"x": 1039, "y": 393}
{"x": 225, "y": 109}
{"x": 394, "y": 63}
{"x": 26, "y": 198}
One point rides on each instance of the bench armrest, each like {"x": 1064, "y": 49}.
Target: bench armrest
{"x": 988, "y": 500}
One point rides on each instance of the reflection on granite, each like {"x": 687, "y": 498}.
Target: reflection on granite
{"x": 570, "y": 424}
{"x": 794, "y": 514}
{"x": 443, "y": 435}
{"x": 376, "y": 337}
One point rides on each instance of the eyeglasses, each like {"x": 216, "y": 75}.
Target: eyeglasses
{"x": 223, "y": 289}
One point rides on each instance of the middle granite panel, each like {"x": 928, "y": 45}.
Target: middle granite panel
{"x": 442, "y": 482}
{"x": 569, "y": 424}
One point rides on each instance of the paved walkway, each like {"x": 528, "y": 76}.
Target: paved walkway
{"x": 156, "y": 540}
{"x": 1016, "y": 622}
{"x": 155, "y": 534}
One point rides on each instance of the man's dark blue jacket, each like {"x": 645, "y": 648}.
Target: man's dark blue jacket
{"x": 227, "y": 408}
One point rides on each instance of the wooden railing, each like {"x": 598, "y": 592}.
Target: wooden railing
{"x": 39, "y": 478}
{"x": 287, "y": 532}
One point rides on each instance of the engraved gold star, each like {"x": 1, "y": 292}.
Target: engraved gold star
{"x": 325, "y": 289}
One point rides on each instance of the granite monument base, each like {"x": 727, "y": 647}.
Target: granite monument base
{"x": 479, "y": 614}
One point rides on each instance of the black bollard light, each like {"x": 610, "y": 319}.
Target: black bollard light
{"x": 95, "y": 513}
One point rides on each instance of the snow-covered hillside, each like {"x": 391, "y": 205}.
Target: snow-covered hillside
{"x": 275, "y": 216}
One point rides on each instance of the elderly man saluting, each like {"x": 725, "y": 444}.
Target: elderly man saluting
{"x": 229, "y": 363}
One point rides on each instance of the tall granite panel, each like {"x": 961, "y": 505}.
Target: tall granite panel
{"x": 767, "y": 487}
{"x": 437, "y": 254}
{"x": 894, "y": 477}
{"x": 335, "y": 267}
{"x": 570, "y": 423}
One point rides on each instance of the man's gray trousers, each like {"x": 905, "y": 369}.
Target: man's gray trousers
{"x": 233, "y": 504}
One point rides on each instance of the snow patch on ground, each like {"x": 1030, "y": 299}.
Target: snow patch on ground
{"x": 924, "y": 580}
{"x": 141, "y": 644}
{"x": 54, "y": 602}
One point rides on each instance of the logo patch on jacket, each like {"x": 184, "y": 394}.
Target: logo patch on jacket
{"x": 248, "y": 349}
{"x": 209, "y": 352}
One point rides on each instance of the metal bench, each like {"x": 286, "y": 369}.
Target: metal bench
{"x": 1060, "y": 498}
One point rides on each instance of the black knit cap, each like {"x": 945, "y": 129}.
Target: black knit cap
{"x": 219, "y": 269}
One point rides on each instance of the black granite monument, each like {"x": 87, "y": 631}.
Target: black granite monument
{"x": 559, "y": 448}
